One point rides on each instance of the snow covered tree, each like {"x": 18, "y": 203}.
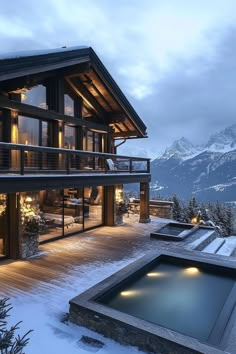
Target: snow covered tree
{"x": 177, "y": 210}
{"x": 9, "y": 343}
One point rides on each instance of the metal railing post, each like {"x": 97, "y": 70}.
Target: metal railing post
{"x": 22, "y": 161}
{"x": 130, "y": 166}
{"x": 68, "y": 164}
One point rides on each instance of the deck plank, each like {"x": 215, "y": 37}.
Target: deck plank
{"x": 58, "y": 259}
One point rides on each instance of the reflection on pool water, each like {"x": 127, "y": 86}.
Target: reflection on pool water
{"x": 183, "y": 298}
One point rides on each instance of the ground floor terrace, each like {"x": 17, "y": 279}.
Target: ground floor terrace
{"x": 40, "y": 287}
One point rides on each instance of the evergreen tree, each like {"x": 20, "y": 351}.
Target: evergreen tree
{"x": 177, "y": 210}
{"x": 9, "y": 343}
{"x": 192, "y": 209}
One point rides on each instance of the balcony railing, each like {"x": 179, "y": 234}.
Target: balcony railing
{"x": 25, "y": 159}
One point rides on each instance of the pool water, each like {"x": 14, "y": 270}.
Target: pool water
{"x": 183, "y": 298}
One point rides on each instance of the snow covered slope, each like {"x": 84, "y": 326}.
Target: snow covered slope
{"x": 208, "y": 171}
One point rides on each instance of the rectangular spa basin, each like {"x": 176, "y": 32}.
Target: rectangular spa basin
{"x": 162, "y": 302}
{"x": 175, "y": 231}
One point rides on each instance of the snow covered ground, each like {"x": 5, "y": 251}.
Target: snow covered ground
{"x": 43, "y": 312}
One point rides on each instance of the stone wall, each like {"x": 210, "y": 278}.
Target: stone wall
{"x": 28, "y": 245}
{"x": 160, "y": 208}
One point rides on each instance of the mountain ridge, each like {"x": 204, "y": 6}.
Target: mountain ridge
{"x": 207, "y": 171}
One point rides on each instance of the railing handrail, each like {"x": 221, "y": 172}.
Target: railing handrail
{"x": 35, "y": 148}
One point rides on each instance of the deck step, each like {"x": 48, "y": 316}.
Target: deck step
{"x": 228, "y": 247}
{"x": 215, "y": 245}
{"x": 202, "y": 241}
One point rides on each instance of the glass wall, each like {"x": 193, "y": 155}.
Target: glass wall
{"x": 33, "y": 131}
{"x": 57, "y": 213}
{"x": 93, "y": 206}
{"x": 69, "y": 105}
{"x": 35, "y": 97}
{"x": 3, "y": 225}
{"x": 73, "y": 210}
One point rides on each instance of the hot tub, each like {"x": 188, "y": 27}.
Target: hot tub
{"x": 175, "y": 231}
{"x": 165, "y": 303}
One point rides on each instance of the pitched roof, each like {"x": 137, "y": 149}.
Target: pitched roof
{"x": 23, "y": 64}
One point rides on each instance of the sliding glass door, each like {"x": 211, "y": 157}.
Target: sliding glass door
{"x": 3, "y": 226}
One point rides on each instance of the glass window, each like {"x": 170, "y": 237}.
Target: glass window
{"x": 69, "y": 105}
{"x": 3, "y": 225}
{"x": 73, "y": 210}
{"x": 93, "y": 206}
{"x": 35, "y": 96}
{"x": 69, "y": 138}
{"x": 28, "y": 130}
{"x": 1, "y": 127}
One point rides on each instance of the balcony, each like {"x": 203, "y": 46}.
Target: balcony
{"x": 36, "y": 164}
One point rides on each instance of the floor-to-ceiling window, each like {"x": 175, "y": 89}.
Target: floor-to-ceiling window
{"x": 3, "y": 225}
{"x": 73, "y": 210}
{"x": 36, "y": 96}
{"x": 37, "y": 132}
{"x": 94, "y": 142}
{"x": 57, "y": 212}
{"x": 93, "y": 206}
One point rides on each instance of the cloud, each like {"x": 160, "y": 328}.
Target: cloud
{"x": 174, "y": 60}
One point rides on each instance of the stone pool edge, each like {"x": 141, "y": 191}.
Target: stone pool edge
{"x": 130, "y": 330}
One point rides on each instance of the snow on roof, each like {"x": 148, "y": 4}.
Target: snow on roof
{"x": 29, "y": 53}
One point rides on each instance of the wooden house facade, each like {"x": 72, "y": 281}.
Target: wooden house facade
{"x": 61, "y": 115}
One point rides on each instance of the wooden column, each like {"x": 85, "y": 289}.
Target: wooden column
{"x": 109, "y": 205}
{"x": 55, "y": 102}
{"x": 144, "y": 203}
{"x": 13, "y": 207}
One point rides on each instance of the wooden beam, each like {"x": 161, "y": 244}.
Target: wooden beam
{"x": 41, "y": 113}
{"x": 144, "y": 203}
{"x": 13, "y": 184}
{"x": 39, "y": 78}
{"x": 116, "y": 117}
{"x": 125, "y": 134}
{"x": 81, "y": 90}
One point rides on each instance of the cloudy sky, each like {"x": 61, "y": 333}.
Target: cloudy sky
{"x": 174, "y": 59}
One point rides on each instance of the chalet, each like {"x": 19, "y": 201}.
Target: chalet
{"x": 61, "y": 115}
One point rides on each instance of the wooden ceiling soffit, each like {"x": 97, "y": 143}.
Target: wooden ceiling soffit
{"x": 41, "y": 78}
{"x": 108, "y": 96}
{"x": 119, "y": 100}
{"x": 82, "y": 91}
{"x": 115, "y": 117}
{"x": 127, "y": 134}
{"x": 96, "y": 90}
{"x": 41, "y": 113}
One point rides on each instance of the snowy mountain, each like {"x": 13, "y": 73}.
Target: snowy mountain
{"x": 181, "y": 148}
{"x": 207, "y": 171}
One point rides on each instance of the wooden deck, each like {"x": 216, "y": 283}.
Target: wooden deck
{"x": 59, "y": 259}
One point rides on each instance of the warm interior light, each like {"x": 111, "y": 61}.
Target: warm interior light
{"x": 28, "y": 199}
{"x": 129, "y": 293}
{"x": 191, "y": 271}
{"x": 155, "y": 274}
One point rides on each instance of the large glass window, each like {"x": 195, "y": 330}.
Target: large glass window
{"x": 70, "y": 138}
{"x": 34, "y": 132}
{"x": 56, "y": 213}
{"x": 73, "y": 210}
{"x": 69, "y": 105}
{"x": 93, "y": 206}
{"x": 28, "y": 130}
{"x": 3, "y": 225}
{"x": 35, "y": 96}
{"x": 1, "y": 127}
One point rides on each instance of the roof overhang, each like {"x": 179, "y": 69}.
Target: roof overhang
{"x": 87, "y": 76}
